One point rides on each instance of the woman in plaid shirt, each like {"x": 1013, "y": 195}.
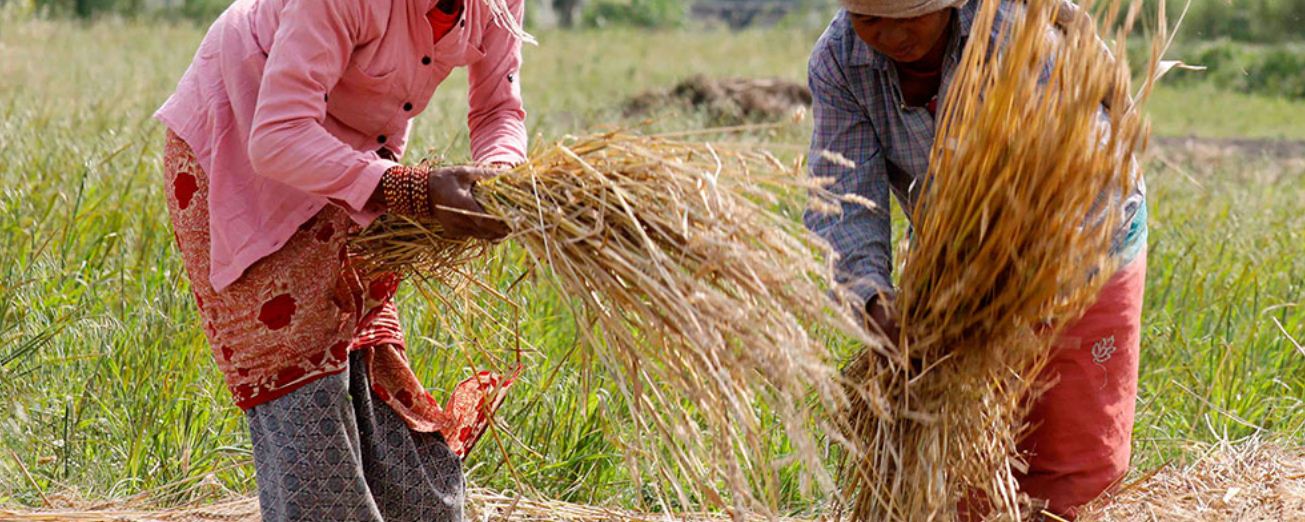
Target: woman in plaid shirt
{"x": 876, "y": 76}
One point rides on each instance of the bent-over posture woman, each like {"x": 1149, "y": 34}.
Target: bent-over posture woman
{"x": 877, "y": 76}
{"x": 284, "y": 136}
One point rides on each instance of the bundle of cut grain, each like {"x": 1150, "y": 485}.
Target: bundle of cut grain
{"x": 697, "y": 295}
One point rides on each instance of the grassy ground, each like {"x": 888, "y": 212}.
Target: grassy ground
{"x": 105, "y": 379}
{"x": 1204, "y": 111}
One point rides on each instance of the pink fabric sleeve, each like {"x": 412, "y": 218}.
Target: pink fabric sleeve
{"x": 287, "y": 141}
{"x": 496, "y": 119}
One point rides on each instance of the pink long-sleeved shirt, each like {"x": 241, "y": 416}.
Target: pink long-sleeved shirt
{"x": 288, "y": 104}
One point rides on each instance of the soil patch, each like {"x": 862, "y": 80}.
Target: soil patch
{"x": 481, "y": 505}
{"x": 1254, "y": 147}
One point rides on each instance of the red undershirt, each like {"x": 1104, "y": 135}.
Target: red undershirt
{"x": 441, "y": 21}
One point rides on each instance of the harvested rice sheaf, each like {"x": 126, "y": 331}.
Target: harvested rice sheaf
{"x": 703, "y": 299}
{"x": 1010, "y": 244}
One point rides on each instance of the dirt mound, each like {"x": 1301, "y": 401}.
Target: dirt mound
{"x": 1247, "y": 481}
{"x": 730, "y": 99}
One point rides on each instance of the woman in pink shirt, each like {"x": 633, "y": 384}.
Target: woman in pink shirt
{"x": 283, "y": 137}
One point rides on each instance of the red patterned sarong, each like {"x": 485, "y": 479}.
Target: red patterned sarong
{"x": 295, "y": 315}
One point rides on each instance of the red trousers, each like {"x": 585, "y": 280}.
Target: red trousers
{"x": 1084, "y": 422}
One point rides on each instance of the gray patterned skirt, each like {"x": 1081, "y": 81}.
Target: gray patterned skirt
{"x": 332, "y": 451}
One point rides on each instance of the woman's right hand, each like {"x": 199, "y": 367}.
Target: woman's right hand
{"x": 455, "y": 209}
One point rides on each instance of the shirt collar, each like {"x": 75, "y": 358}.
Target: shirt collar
{"x": 862, "y": 54}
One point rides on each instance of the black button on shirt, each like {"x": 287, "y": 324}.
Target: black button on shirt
{"x": 407, "y": 107}
{"x": 425, "y": 60}
{"x": 380, "y": 139}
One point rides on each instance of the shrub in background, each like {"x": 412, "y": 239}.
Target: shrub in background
{"x": 636, "y": 13}
{"x": 1242, "y": 20}
{"x": 1275, "y": 70}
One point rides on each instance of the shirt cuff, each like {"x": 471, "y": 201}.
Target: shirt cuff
{"x": 356, "y": 201}
{"x": 865, "y": 287}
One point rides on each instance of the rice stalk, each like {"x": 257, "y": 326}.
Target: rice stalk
{"x": 701, "y": 300}
{"x": 1011, "y": 243}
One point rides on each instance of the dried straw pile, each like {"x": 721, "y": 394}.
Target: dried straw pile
{"x": 1247, "y": 480}
{"x": 694, "y": 293}
{"x": 1010, "y": 244}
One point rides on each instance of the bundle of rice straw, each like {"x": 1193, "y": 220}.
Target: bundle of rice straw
{"x": 1011, "y": 243}
{"x": 695, "y": 294}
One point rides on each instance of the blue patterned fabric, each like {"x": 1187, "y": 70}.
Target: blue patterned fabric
{"x": 859, "y": 114}
{"x": 330, "y": 451}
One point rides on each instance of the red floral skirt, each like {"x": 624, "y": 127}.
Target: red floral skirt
{"x": 294, "y": 316}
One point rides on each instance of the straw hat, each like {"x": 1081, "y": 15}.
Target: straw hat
{"x": 898, "y": 8}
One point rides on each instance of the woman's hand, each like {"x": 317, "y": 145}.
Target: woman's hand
{"x": 456, "y": 210}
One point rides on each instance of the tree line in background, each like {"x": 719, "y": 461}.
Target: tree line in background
{"x": 1260, "y": 21}
{"x": 1255, "y": 46}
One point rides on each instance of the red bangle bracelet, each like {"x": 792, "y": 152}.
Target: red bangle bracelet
{"x": 407, "y": 191}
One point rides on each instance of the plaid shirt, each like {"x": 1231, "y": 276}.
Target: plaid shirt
{"x": 859, "y": 114}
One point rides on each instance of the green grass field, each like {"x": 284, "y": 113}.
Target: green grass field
{"x": 106, "y": 384}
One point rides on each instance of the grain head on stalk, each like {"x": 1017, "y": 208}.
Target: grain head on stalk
{"x": 702, "y": 301}
{"x": 1011, "y": 242}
